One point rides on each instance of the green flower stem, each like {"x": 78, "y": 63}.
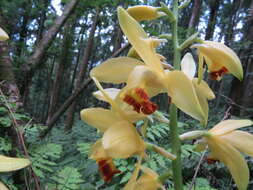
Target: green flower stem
{"x": 176, "y": 144}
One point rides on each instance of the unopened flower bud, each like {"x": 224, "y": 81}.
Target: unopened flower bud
{"x": 144, "y": 12}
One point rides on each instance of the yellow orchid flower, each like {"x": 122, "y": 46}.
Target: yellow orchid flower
{"x": 147, "y": 79}
{"x": 104, "y": 162}
{"x": 8, "y": 164}
{"x": 202, "y": 89}
{"x": 120, "y": 138}
{"x": 3, "y": 35}
{"x": 225, "y": 144}
{"x": 144, "y": 12}
{"x": 220, "y": 60}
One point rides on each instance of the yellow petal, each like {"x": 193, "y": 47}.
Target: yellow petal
{"x": 98, "y": 151}
{"x": 183, "y": 95}
{"x": 99, "y": 118}
{"x": 188, "y": 65}
{"x": 229, "y": 125}
{"x": 144, "y": 12}
{"x": 3, "y": 187}
{"x": 204, "y": 89}
{"x": 139, "y": 40}
{"x": 148, "y": 180}
{"x": 3, "y": 35}
{"x": 222, "y": 55}
{"x": 241, "y": 140}
{"x": 115, "y": 70}
{"x": 203, "y": 93}
{"x": 122, "y": 140}
{"x": 112, "y": 93}
{"x": 143, "y": 77}
{"x": 232, "y": 159}
{"x": 8, "y": 164}
{"x": 115, "y": 107}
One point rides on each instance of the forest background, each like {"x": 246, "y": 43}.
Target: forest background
{"x": 44, "y": 82}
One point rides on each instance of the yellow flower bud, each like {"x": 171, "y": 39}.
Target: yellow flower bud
{"x": 144, "y": 12}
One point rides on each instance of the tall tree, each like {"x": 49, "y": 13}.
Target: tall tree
{"x": 64, "y": 60}
{"x": 241, "y": 92}
{"x": 213, "y": 8}
{"x": 82, "y": 69}
{"x": 44, "y": 44}
{"x": 194, "y": 20}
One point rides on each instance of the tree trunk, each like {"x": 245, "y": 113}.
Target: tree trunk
{"x": 64, "y": 59}
{"x": 214, "y": 7}
{"x": 241, "y": 92}
{"x": 82, "y": 70}
{"x": 229, "y": 35}
{"x": 44, "y": 44}
{"x": 194, "y": 20}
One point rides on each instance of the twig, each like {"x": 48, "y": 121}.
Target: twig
{"x": 20, "y": 138}
{"x": 227, "y": 113}
{"x": 197, "y": 169}
{"x": 116, "y": 53}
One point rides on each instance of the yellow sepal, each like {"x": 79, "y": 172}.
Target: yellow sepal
{"x": 232, "y": 159}
{"x": 229, "y": 125}
{"x": 99, "y": 118}
{"x": 115, "y": 70}
{"x": 122, "y": 141}
{"x": 138, "y": 38}
{"x": 183, "y": 95}
{"x": 241, "y": 140}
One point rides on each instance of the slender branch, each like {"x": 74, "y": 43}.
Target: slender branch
{"x": 197, "y": 170}
{"x": 120, "y": 50}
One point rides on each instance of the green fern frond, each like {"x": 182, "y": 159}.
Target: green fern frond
{"x": 68, "y": 179}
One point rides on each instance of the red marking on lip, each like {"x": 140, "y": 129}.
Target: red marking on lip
{"x": 217, "y": 74}
{"x": 140, "y": 102}
{"x": 107, "y": 169}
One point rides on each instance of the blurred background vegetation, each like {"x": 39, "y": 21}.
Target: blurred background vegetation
{"x": 44, "y": 82}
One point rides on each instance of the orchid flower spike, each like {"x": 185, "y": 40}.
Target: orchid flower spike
{"x": 147, "y": 78}
{"x": 220, "y": 60}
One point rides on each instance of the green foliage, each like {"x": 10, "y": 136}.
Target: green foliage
{"x": 157, "y": 131}
{"x": 68, "y": 179}
{"x": 84, "y": 148}
{"x": 5, "y": 145}
{"x": 44, "y": 157}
